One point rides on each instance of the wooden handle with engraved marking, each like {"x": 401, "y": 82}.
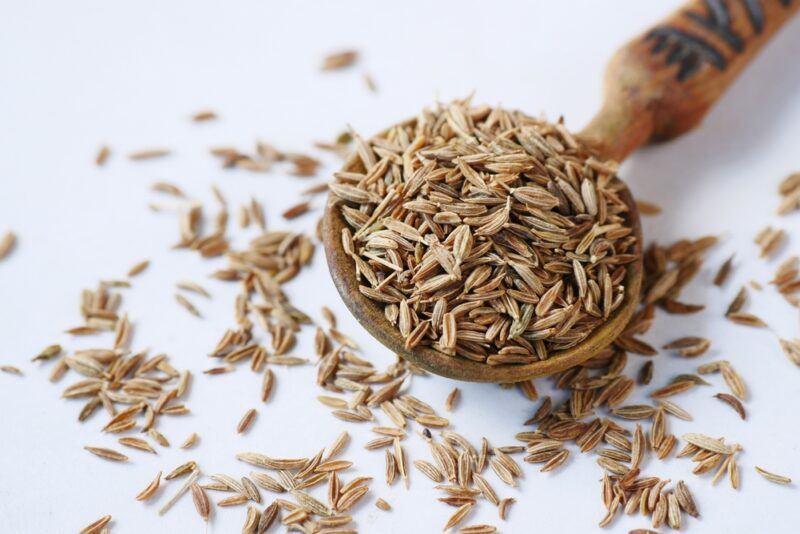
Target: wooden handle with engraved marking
{"x": 662, "y": 83}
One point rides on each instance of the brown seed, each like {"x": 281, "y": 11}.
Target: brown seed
{"x": 158, "y": 437}
{"x": 690, "y": 346}
{"x": 96, "y": 527}
{"x": 187, "y": 305}
{"x": 648, "y": 208}
{"x": 246, "y": 421}
{"x": 267, "y": 384}
{"x": 102, "y": 155}
{"x": 183, "y": 469}
{"x": 190, "y": 441}
{"x": 108, "y": 454}
{"x": 10, "y": 369}
{"x": 504, "y": 505}
{"x": 646, "y": 373}
{"x": 201, "y": 503}
{"x": 233, "y": 500}
{"x": 268, "y": 517}
{"x": 6, "y": 244}
{"x": 458, "y": 516}
{"x": 193, "y": 287}
{"x": 685, "y": 499}
{"x": 736, "y": 304}
{"x": 772, "y": 477}
{"x": 383, "y": 505}
{"x": 723, "y": 272}
{"x": 477, "y": 529}
{"x": 733, "y": 380}
{"x": 791, "y": 349}
{"x": 710, "y": 444}
{"x": 673, "y": 389}
{"x": 150, "y": 489}
{"x": 204, "y": 115}
{"x": 137, "y": 443}
{"x": 733, "y": 402}
{"x": 297, "y": 210}
{"x": 168, "y": 188}
{"x": 747, "y": 319}
{"x": 339, "y": 60}
{"x": 148, "y": 153}
{"x": 452, "y": 399}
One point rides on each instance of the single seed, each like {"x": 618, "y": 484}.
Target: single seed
{"x": 150, "y": 489}
{"x": 772, "y": 477}
{"x": 247, "y": 421}
{"x": 201, "y": 503}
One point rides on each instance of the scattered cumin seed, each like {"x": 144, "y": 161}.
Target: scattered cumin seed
{"x": 339, "y": 60}
{"x": 648, "y": 208}
{"x": 150, "y": 489}
{"x": 108, "y": 454}
{"x": 791, "y": 348}
{"x": 646, "y": 373}
{"x": 690, "y": 346}
{"x": 769, "y": 240}
{"x": 452, "y": 399}
{"x": 96, "y": 527}
{"x": 673, "y": 389}
{"x": 6, "y": 244}
{"x": 370, "y": 83}
{"x": 747, "y": 319}
{"x": 137, "y": 443}
{"x": 502, "y": 509}
{"x": 201, "y": 503}
{"x": 178, "y": 494}
{"x": 383, "y": 505}
{"x": 734, "y": 380}
{"x": 158, "y": 437}
{"x": 297, "y": 210}
{"x": 194, "y": 287}
{"x": 478, "y": 529}
{"x": 138, "y": 268}
{"x": 148, "y": 153}
{"x": 772, "y": 477}
{"x": 733, "y": 402}
{"x": 168, "y": 188}
{"x": 247, "y": 421}
{"x": 723, "y": 272}
{"x": 738, "y": 301}
{"x": 187, "y": 305}
{"x": 183, "y": 469}
{"x": 10, "y": 369}
{"x": 48, "y": 353}
{"x": 458, "y": 516}
{"x": 204, "y": 116}
{"x": 102, "y": 155}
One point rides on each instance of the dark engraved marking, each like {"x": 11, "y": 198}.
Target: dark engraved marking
{"x": 718, "y": 21}
{"x": 755, "y": 13}
{"x": 689, "y": 51}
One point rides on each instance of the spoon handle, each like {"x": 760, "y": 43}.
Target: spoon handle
{"x": 662, "y": 83}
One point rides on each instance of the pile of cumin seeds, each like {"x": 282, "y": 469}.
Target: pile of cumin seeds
{"x": 485, "y": 233}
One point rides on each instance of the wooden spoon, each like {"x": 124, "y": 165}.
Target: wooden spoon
{"x": 657, "y": 87}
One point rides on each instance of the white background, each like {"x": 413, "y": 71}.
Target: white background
{"x": 75, "y": 75}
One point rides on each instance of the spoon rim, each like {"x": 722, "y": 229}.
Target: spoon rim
{"x": 371, "y": 316}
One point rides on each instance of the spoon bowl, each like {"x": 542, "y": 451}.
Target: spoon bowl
{"x": 371, "y": 316}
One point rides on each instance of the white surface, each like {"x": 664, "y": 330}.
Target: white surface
{"x": 79, "y": 74}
